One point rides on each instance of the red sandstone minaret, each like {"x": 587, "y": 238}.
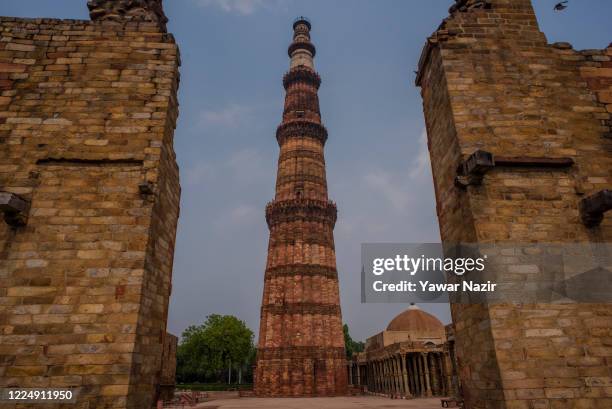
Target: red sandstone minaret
{"x": 301, "y": 343}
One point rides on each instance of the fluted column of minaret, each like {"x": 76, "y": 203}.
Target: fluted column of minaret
{"x": 301, "y": 343}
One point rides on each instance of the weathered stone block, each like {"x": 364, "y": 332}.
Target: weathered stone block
{"x": 74, "y": 278}
{"x": 523, "y": 200}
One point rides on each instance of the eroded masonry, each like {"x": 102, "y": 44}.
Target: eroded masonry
{"x": 521, "y": 150}
{"x": 89, "y": 194}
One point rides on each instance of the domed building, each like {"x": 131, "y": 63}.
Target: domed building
{"x": 413, "y": 357}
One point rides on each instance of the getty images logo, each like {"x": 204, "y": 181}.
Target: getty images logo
{"x": 413, "y": 265}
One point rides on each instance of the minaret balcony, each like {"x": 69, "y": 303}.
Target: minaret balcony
{"x": 301, "y": 129}
{"x": 302, "y": 45}
{"x": 301, "y": 209}
{"x": 302, "y": 74}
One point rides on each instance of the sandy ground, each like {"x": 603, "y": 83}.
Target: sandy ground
{"x": 356, "y": 402}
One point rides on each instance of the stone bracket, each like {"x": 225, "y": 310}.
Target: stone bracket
{"x": 592, "y": 208}
{"x": 15, "y": 209}
{"x": 148, "y": 191}
{"x": 146, "y": 188}
{"x": 472, "y": 170}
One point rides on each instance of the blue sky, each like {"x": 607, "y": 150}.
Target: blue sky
{"x": 231, "y": 96}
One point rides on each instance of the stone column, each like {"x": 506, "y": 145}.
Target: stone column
{"x": 427, "y": 380}
{"x": 392, "y": 388}
{"x": 450, "y": 381}
{"x": 374, "y": 377}
{"x": 350, "y": 373}
{"x": 385, "y": 376}
{"x": 432, "y": 372}
{"x": 379, "y": 379}
{"x": 398, "y": 389}
{"x": 439, "y": 374}
{"x": 358, "y": 374}
{"x": 419, "y": 360}
{"x": 404, "y": 375}
{"x": 381, "y": 376}
{"x": 390, "y": 375}
{"x": 415, "y": 375}
{"x": 398, "y": 375}
{"x": 410, "y": 372}
{"x": 442, "y": 374}
{"x": 381, "y": 369}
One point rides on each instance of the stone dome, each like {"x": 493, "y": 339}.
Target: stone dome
{"x": 416, "y": 320}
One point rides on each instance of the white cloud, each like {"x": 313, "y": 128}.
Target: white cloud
{"x": 386, "y": 185}
{"x": 231, "y": 116}
{"x": 239, "y": 159}
{"x": 239, "y": 217}
{"x": 199, "y": 173}
{"x": 242, "y": 7}
{"x": 394, "y": 186}
{"x": 243, "y": 213}
{"x": 246, "y": 167}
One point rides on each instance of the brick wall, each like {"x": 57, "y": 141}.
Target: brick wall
{"x": 87, "y": 115}
{"x": 491, "y": 82}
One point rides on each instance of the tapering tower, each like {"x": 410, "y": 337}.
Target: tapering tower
{"x": 301, "y": 343}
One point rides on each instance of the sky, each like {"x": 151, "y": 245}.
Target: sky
{"x": 234, "y": 55}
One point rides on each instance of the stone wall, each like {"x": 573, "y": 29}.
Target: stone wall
{"x": 167, "y": 380}
{"x": 87, "y": 115}
{"x": 491, "y": 82}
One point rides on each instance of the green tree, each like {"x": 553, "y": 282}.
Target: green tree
{"x": 350, "y": 345}
{"x": 222, "y": 342}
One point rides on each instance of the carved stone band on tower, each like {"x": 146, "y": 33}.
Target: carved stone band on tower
{"x": 301, "y": 343}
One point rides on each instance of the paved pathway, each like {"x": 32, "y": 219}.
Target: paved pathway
{"x": 354, "y": 402}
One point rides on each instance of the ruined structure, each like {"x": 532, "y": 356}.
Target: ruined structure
{"x": 90, "y": 192}
{"x": 521, "y": 151}
{"x": 301, "y": 343}
{"x": 410, "y": 359}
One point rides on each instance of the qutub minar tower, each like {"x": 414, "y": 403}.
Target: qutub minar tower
{"x": 301, "y": 343}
